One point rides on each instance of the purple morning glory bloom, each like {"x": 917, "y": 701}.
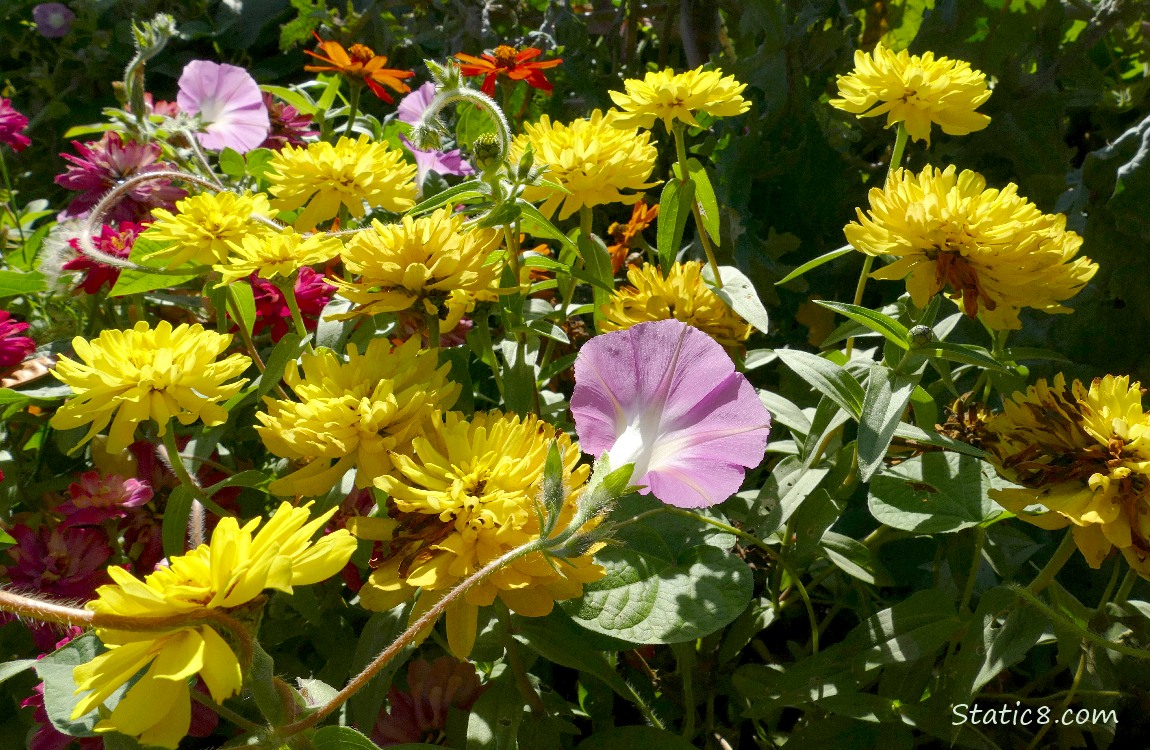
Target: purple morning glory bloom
{"x": 667, "y": 398}
{"x": 411, "y": 107}
{"x": 53, "y": 20}
{"x": 443, "y": 162}
{"x": 229, "y": 103}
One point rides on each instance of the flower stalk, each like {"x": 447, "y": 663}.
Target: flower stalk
{"x": 684, "y": 172}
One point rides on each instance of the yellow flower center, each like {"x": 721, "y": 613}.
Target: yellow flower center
{"x": 505, "y": 57}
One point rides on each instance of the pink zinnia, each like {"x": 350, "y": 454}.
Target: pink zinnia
{"x": 114, "y": 241}
{"x": 666, "y": 397}
{"x": 419, "y": 714}
{"x": 13, "y": 348}
{"x": 272, "y": 312}
{"x": 229, "y": 103}
{"x": 11, "y": 123}
{"x": 103, "y": 164}
{"x": 97, "y": 498}
{"x": 288, "y": 126}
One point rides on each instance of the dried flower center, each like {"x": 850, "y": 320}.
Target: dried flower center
{"x": 953, "y": 270}
{"x": 505, "y": 57}
{"x": 360, "y": 53}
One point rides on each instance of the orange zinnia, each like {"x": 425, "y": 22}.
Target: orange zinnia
{"x": 510, "y": 62}
{"x": 624, "y": 234}
{"x": 360, "y": 61}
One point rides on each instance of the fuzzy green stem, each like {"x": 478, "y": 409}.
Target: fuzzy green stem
{"x": 700, "y": 229}
{"x": 485, "y": 104}
{"x": 408, "y": 636}
{"x": 1124, "y": 588}
{"x": 896, "y": 154}
{"x": 196, "y": 520}
{"x": 433, "y": 336}
{"x": 8, "y": 202}
{"x": 287, "y": 289}
{"x": 226, "y": 713}
{"x": 1060, "y": 557}
{"x": 515, "y": 661}
{"x": 967, "y": 589}
{"x": 684, "y": 665}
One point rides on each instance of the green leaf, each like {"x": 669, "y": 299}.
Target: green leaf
{"x": 302, "y": 103}
{"x": 886, "y": 398}
{"x": 494, "y": 720}
{"x": 470, "y": 123}
{"x": 935, "y": 493}
{"x": 457, "y": 194}
{"x": 315, "y": 693}
{"x": 12, "y": 668}
{"x": 380, "y": 631}
{"x": 827, "y": 378}
{"x": 501, "y": 216}
{"x": 557, "y": 639}
{"x": 534, "y": 223}
{"x": 242, "y": 306}
{"x": 674, "y": 208}
{"x": 6, "y": 540}
{"x": 287, "y": 350}
{"x": 138, "y": 282}
{"x": 261, "y": 682}
{"x": 176, "y": 514}
{"x": 674, "y": 596}
{"x": 965, "y": 353}
{"x": 910, "y": 432}
{"x": 1022, "y": 353}
{"x": 597, "y": 261}
{"x": 60, "y": 689}
{"x": 812, "y": 264}
{"x": 259, "y": 161}
{"x": 704, "y": 196}
{"x": 999, "y": 637}
{"x": 740, "y": 295}
{"x": 876, "y": 321}
{"x": 851, "y": 557}
{"x": 634, "y": 737}
{"x": 785, "y": 413}
{"x": 232, "y": 164}
{"x": 552, "y": 494}
{"x": 342, "y": 738}
{"x": 14, "y": 283}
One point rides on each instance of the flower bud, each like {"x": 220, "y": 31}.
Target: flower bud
{"x": 487, "y": 152}
{"x": 921, "y": 336}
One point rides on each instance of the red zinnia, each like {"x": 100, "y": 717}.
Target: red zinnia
{"x": 116, "y": 242}
{"x": 510, "y": 62}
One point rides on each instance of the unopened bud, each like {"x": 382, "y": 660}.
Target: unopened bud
{"x": 487, "y": 152}
{"x": 921, "y": 336}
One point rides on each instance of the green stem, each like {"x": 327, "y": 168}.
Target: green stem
{"x": 287, "y": 289}
{"x": 1060, "y": 557}
{"x": 685, "y": 666}
{"x": 967, "y": 590}
{"x": 1078, "y": 673}
{"x": 511, "y": 646}
{"x": 433, "y": 336}
{"x": 704, "y": 238}
{"x": 1077, "y": 629}
{"x": 8, "y": 202}
{"x": 1125, "y": 587}
{"x": 353, "y": 107}
{"x": 196, "y": 526}
{"x": 900, "y": 140}
{"x": 226, "y": 713}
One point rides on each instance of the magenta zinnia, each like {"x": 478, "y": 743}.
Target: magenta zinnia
{"x": 115, "y": 241}
{"x": 665, "y": 397}
{"x": 11, "y": 123}
{"x": 103, "y": 164}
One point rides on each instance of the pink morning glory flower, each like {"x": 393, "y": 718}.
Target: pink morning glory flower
{"x": 431, "y": 160}
{"x": 410, "y": 108}
{"x": 53, "y": 20}
{"x": 229, "y": 102}
{"x": 666, "y": 397}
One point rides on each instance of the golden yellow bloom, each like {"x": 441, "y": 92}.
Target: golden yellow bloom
{"x": 146, "y": 373}
{"x": 353, "y": 414}
{"x": 668, "y": 96}
{"x": 204, "y": 225}
{"x": 595, "y": 158}
{"x": 916, "y": 91}
{"x": 276, "y": 254}
{"x": 350, "y": 173}
{"x": 992, "y": 249}
{"x": 430, "y": 260}
{"x": 464, "y": 497}
{"x": 1084, "y": 454}
{"x": 229, "y": 572}
{"x": 682, "y": 295}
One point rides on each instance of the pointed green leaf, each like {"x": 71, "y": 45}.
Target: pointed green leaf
{"x": 704, "y": 196}
{"x": 674, "y": 208}
{"x": 886, "y": 398}
{"x": 827, "y": 378}
{"x": 883, "y": 324}
{"x": 740, "y": 295}
{"x": 815, "y": 263}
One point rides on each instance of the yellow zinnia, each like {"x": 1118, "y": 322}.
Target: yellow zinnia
{"x": 431, "y": 261}
{"x": 916, "y": 91}
{"x": 145, "y": 373}
{"x": 670, "y": 96}
{"x": 682, "y": 295}
{"x": 231, "y": 571}
{"x": 276, "y": 254}
{"x": 320, "y": 177}
{"x": 204, "y": 224}
{"x": 995, "y": 251}
{"x": 353, "y": 414}
{"x": 594, "y": 158}
{"x": 1084, "y": 454}
{"x": 465, "y": 496}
